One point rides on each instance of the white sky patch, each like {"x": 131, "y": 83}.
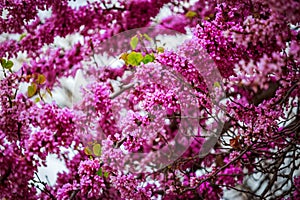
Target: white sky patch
{"x": 53, "y": 167}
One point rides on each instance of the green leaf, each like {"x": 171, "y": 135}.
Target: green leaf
{"x": 49, "y": 91}
{"x": 6, "y": 64}
{"x": 3, "y": 62}
{"x": 124, "y": 57}
{"x": 217, "y": 84}
{"x": 191, "y": 14}
{"x": 106, "y": 174}
{"x": 148, "y": 58}
{"x": 31, "y": 90}
{"x": 209, "y": 17}
{"x": 134, "y": 58}
{"x": 133, "y": 42}
{"x": 97, "y": 149}
{"x": 147, "y": 37}
{"x": 41, "y": 79}
{"x": 160, "y": 49}
{"x": 9, "y": 64}
{"x": 37, "y": 100}
{"x": 88, "y": 151}
{"x": 99, "y": 172}
{"x": 22, "y": 36}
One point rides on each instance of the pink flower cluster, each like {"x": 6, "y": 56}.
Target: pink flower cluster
{"x": 191, "y": 123}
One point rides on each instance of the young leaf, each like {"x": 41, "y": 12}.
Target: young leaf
{"x": 97, "y": 149}
{"x": 106, "y": 174}
{"x": 27, "y": 78}
{"x": 3, "y": 62}
{"x": 160, "y": 49}
{"x": 41, "y": 79}
{"x": 124, "y": 57}
{"x": 134, "y": 58}
{"x": 99, "y": 172}
{"x": 134, "y": 41}
{"x": 209, "y": 17}
{"x": 22, "y": 36}
{"x": 234, "y": 143}
{"x": 190, "y": 14}
{"x": 49, "y": 91}
{"x": 88, "y": 151}
{"x": 31, "y": 90}
{"x": 148, "y": 58}
{"x": 9, "y": 64}
{"x": 217, "y": 84}
{"x": 37, "y": 100}
{"x": 147, "y": 37}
